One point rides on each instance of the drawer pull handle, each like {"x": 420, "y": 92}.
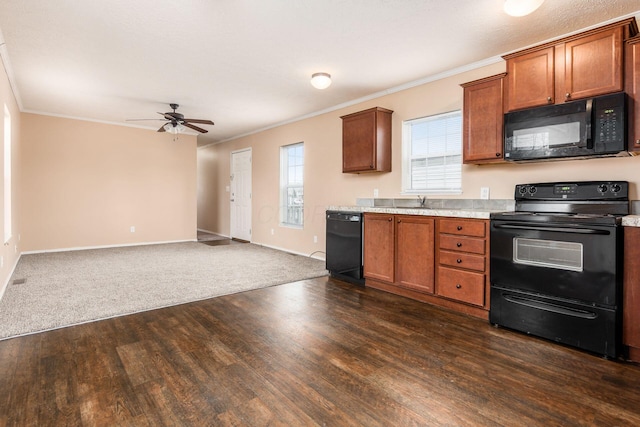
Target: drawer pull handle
{"x": 458, "y": 286}
{"x": 459, "y": 227}
{"x": 459, "y": 244}
{"x": 458, "y": 260}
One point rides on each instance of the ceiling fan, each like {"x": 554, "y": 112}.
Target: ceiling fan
{"x": 176, "y": 123}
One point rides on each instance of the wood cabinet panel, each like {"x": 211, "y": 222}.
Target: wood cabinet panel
{"x": 631, "y": 292}
{"x": 483, "y": 120}
{"x": 466, "y": 227}
{"x": 379, "y": 254}
{"x": 531, "y": 79}
{"x": 593, "y": 65}
{"x": 366, "y": 141}
{"x": 580, "y": 66}
{"x": 632, "y": 76}
{"x": 415, "y": 259}
{"x": 462, "y": 260}
{"x": 461, "y": 285}
{"x": 462, "y": 243}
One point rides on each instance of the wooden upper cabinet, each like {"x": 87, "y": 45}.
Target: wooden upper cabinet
{"x": 366, "y": 141}
{"x": 530, "y": 79}
{"x": 593, "y": 65}
{"x": 482, "y": 120}
{"x": 581, "y": 66}
{"x": 632, "y": 76}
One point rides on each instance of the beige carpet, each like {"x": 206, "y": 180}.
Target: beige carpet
{"x": 66, "y": 288}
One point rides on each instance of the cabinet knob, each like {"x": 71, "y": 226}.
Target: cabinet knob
{"x": 399, "y": 221}
{"x": 567, "y": 95}
{"x": 370, "y": 166}
{"x": 458, "y": 260}
{"x": 390, "y": 219}
{"x": 498, "y": 154}
{"x": 459, "y": 227}
{"x": 549, "y": 99}
{"x": 458, "y": 286}
{"x": 459, "y": 244}
{"x": 637, "y": 141}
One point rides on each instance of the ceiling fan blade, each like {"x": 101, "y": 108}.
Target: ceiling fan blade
{"x": 195, "y": 128}
{"x": 204, "y": 122}
{"x": 138, "y": 120}
{"x": 167, "y": 116}
{"x": 162, "y": 128}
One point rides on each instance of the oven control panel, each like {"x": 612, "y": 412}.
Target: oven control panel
{"x": 582, "y": 190}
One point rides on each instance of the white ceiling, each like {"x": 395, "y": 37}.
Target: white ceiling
{"x": 246, "y": 64}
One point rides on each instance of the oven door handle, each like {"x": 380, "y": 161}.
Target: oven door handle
{"x": 540, "y": 305}
{"x": 557, "y": 229}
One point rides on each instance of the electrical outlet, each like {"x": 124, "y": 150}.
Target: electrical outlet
{"x": 273, "y": 231}
{"x": 484, "y": 193}
{"x": 1, "y": 261}
{"x": 375, "y": 192}
{"x": 315, "y": 239}
{"x": 133, "y": 229}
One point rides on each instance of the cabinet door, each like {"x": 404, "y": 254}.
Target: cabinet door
{"x": 415, "y": 253}
{"x": 530, "y": 79}
{"x": 631, "y": 297}
{"x": 482, "y": 125}
{"x": 633, "y": 90}
{"x": 593, "y": 65}
{"x": 379, "y": 238}
{"x": 358, "y": 142}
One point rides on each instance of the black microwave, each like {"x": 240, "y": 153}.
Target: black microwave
{"x": 588, "y": 127}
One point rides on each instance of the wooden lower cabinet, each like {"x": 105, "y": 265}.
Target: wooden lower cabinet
{"x": 398, "y": 250}
{"x": 442, "y": 261}
{"x": 414, "y": 253}
{"x": 631, "y": 293}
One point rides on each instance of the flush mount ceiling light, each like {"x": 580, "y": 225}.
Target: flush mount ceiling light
{"x": 321, "y": 80}
{"x": 521, "y": 7}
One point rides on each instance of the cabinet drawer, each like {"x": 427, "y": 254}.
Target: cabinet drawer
{"x": 460, "y": 260}
{"x": 462, "y": 227}
{"x": 462, "y": 244}
{"x": 460, "y": 285}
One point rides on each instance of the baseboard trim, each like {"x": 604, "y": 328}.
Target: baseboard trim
{"x": 290, "y": 251}
{"x": 213, "y": 232}
{"x": 10, "y": 276}
{"x": 85, "y": 248}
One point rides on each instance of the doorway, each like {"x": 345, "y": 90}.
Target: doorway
{"x": 240, "y": 227}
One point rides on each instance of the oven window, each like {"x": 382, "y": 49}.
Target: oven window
{"x": 545, "y": 137}
{"x": 548, "y": 253}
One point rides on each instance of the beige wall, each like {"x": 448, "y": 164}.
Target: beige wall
{"x": 84, "y": 184}
{"x": 10, "y": 251}
{"x": 325, "y": 184}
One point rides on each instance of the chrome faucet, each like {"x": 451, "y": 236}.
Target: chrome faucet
{"x": 422, "y": 200}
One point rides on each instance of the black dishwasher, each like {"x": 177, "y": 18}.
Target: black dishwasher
{"x": 344, "y": 246}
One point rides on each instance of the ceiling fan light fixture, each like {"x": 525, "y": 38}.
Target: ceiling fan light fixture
{"x": 174, "y": 128}
{"x": 521, "y": 7}
{"x": 321, "y": 80}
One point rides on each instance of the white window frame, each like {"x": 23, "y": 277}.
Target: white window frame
{"x": 7, "y": 174}
{"x": 291, "y": 214}
{"x": 452, "y": 151}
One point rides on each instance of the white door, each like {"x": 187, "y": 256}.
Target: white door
{"x": 241, "y": 194}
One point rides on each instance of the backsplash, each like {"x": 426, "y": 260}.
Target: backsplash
{"x": 506, "y": 205}
{"x": 481, "y": 204}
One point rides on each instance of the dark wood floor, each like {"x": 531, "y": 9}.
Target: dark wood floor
{"x": 316, "y": 352}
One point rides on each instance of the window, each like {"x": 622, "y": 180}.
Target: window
{"x": 7, "y": 175}
{"x": 432, "y": 154}
{"x": 291, "y": 185}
